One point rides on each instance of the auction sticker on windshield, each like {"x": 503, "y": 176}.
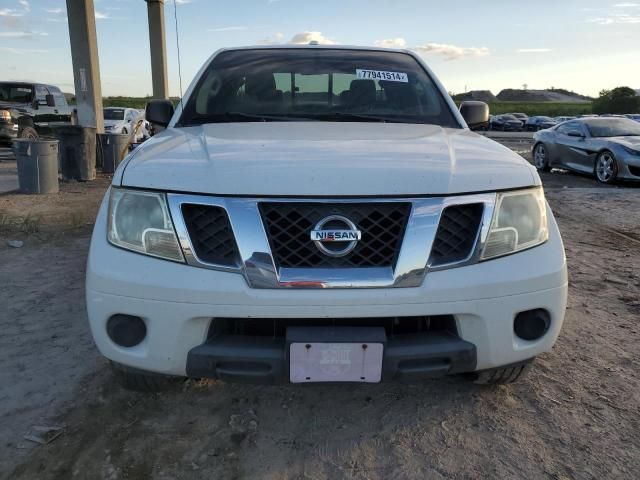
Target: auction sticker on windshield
{"x": 381, "y": 75}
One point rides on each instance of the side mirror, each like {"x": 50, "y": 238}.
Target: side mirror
{"x": 575, "y": 133}
{"x": 50, "y": 101}
{"x": 476, "y": 114}
{"x": 159, "y": 112}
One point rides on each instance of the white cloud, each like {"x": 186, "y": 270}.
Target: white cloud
{"x": 23, "y": 34}
{"x": 391, "y": 43}
{"x": 25, "y": 5}
{"x": 534, "y": 50}
{"x": 235, "y": 28}
{"x": 627, "y": 5}
{"x": 303, "y": 38}
{"x": 274, "y": 39}
{"x": 20, "y": 51}
{"x": 10, "y": 12}
{"x": 617, "y": 18}
{"x": 55, "y": 11}
{"x": 451, "y": 52}
{"x": 101, "y": 15}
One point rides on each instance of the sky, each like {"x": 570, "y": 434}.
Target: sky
{"x": 579, "y": 45}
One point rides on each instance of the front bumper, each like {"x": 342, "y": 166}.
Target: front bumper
{"x": 406, "y": 358}
{"x": 8, "y": 131}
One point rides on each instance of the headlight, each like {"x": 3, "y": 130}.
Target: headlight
{"x": 519, "y": 222}
{"x": 5, "y": 115}
{"x": 140, "y": 221}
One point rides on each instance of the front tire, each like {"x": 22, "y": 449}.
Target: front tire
{"x": 606, "y": 168}
{"x": 28, "y": 132}
{"x": 541, "y": 157}
{"x": 502, "y": 376}
{"x": 139, "y": 381}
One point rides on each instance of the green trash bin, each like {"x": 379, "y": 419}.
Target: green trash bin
{"x": 111, "y": 147}
{"x": 37, "y": 165}
{"x": 77, "y": 152}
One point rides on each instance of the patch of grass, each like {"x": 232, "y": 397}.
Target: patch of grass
{"x": 76, "y": 220}
{"x": 550, "y": 109}
{"x": 129, "y": 102}
{"x": 31, "y": 223}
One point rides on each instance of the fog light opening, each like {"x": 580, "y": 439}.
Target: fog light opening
{"x": 126, "y": 330}
{"x": 532, "y": 324}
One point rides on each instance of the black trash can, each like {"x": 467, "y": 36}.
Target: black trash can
{"x": 77, "y": 152}
{"x": 37, "y": 165}
{"x": 111, "y": 147}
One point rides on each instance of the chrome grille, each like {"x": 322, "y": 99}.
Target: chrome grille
{"x": 211, "y": 234}
{"x": 289, "y": 224}
{"x": 456, "y": 234}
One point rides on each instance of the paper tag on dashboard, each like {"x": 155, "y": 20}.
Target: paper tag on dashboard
{"x": 381, "y": 75}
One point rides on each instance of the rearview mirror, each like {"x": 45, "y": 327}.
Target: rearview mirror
{"x": 159, "y": 112}
{"x": 575, "y": 133}
{"x": 476, "y": 114}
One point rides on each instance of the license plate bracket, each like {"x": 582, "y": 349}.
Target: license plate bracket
{"x": 335, "y": 354}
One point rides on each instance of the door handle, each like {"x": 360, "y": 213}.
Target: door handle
{"x": 55, "y": 111}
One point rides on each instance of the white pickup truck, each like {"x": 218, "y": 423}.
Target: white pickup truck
{"x": 323, "y": 214}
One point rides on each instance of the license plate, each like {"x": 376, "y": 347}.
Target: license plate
{"x": 335, "y": 362}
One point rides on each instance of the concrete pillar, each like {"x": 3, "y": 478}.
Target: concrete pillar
{"x": 158, "y": 46}
{"x": 86, "y": 68}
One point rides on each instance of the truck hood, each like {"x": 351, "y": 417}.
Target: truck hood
{"x": 324, "y": 159}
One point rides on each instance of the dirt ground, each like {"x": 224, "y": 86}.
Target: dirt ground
{"x": 577, "y": 415}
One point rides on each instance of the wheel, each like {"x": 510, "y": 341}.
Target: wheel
{"x": 541, "y": 158}
{"x": 502, "y": 376}
{"x": 28, "y": 132}
{"x": 140, "y": 381}
{"x": 606, "y": 168}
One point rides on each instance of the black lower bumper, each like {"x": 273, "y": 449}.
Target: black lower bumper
{"x": 255, "y": 359}
{"x": 7, "y": 132}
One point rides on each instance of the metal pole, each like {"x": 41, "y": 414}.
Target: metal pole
{"x": 158, "y": 46}
{"x": 86, "y": 67}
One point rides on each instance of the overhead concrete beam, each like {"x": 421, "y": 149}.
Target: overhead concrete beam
{"x": 158, "y": 46}
{"x": 86, "y": 67}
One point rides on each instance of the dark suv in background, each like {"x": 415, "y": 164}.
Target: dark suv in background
{"x": 29, "y": 110}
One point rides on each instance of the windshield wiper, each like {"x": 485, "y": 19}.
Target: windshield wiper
{"x": 239, "y": 117}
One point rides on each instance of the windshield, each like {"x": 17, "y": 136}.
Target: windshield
{"x": 15, "y": 93}
{"x": 613, "y": 127}
{"x": 316, "y": 84}
{"x": 113, "y": 113}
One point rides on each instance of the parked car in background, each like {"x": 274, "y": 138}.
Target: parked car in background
{"x": 122, "y": 120}
{"x": 29, "y": 110}
{"x": 608, "y": 148}
{"x": 506, "y": 123}
{"x": 634, "y": 116}
{"x": 520, "y": 116}
{"x": 563, "y": 119}
{"x": 539, "y": 123}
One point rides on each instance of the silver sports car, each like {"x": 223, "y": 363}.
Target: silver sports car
{"x": 608, "y": 148}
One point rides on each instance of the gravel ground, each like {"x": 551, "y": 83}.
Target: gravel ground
{"x": 577, "y": 415}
